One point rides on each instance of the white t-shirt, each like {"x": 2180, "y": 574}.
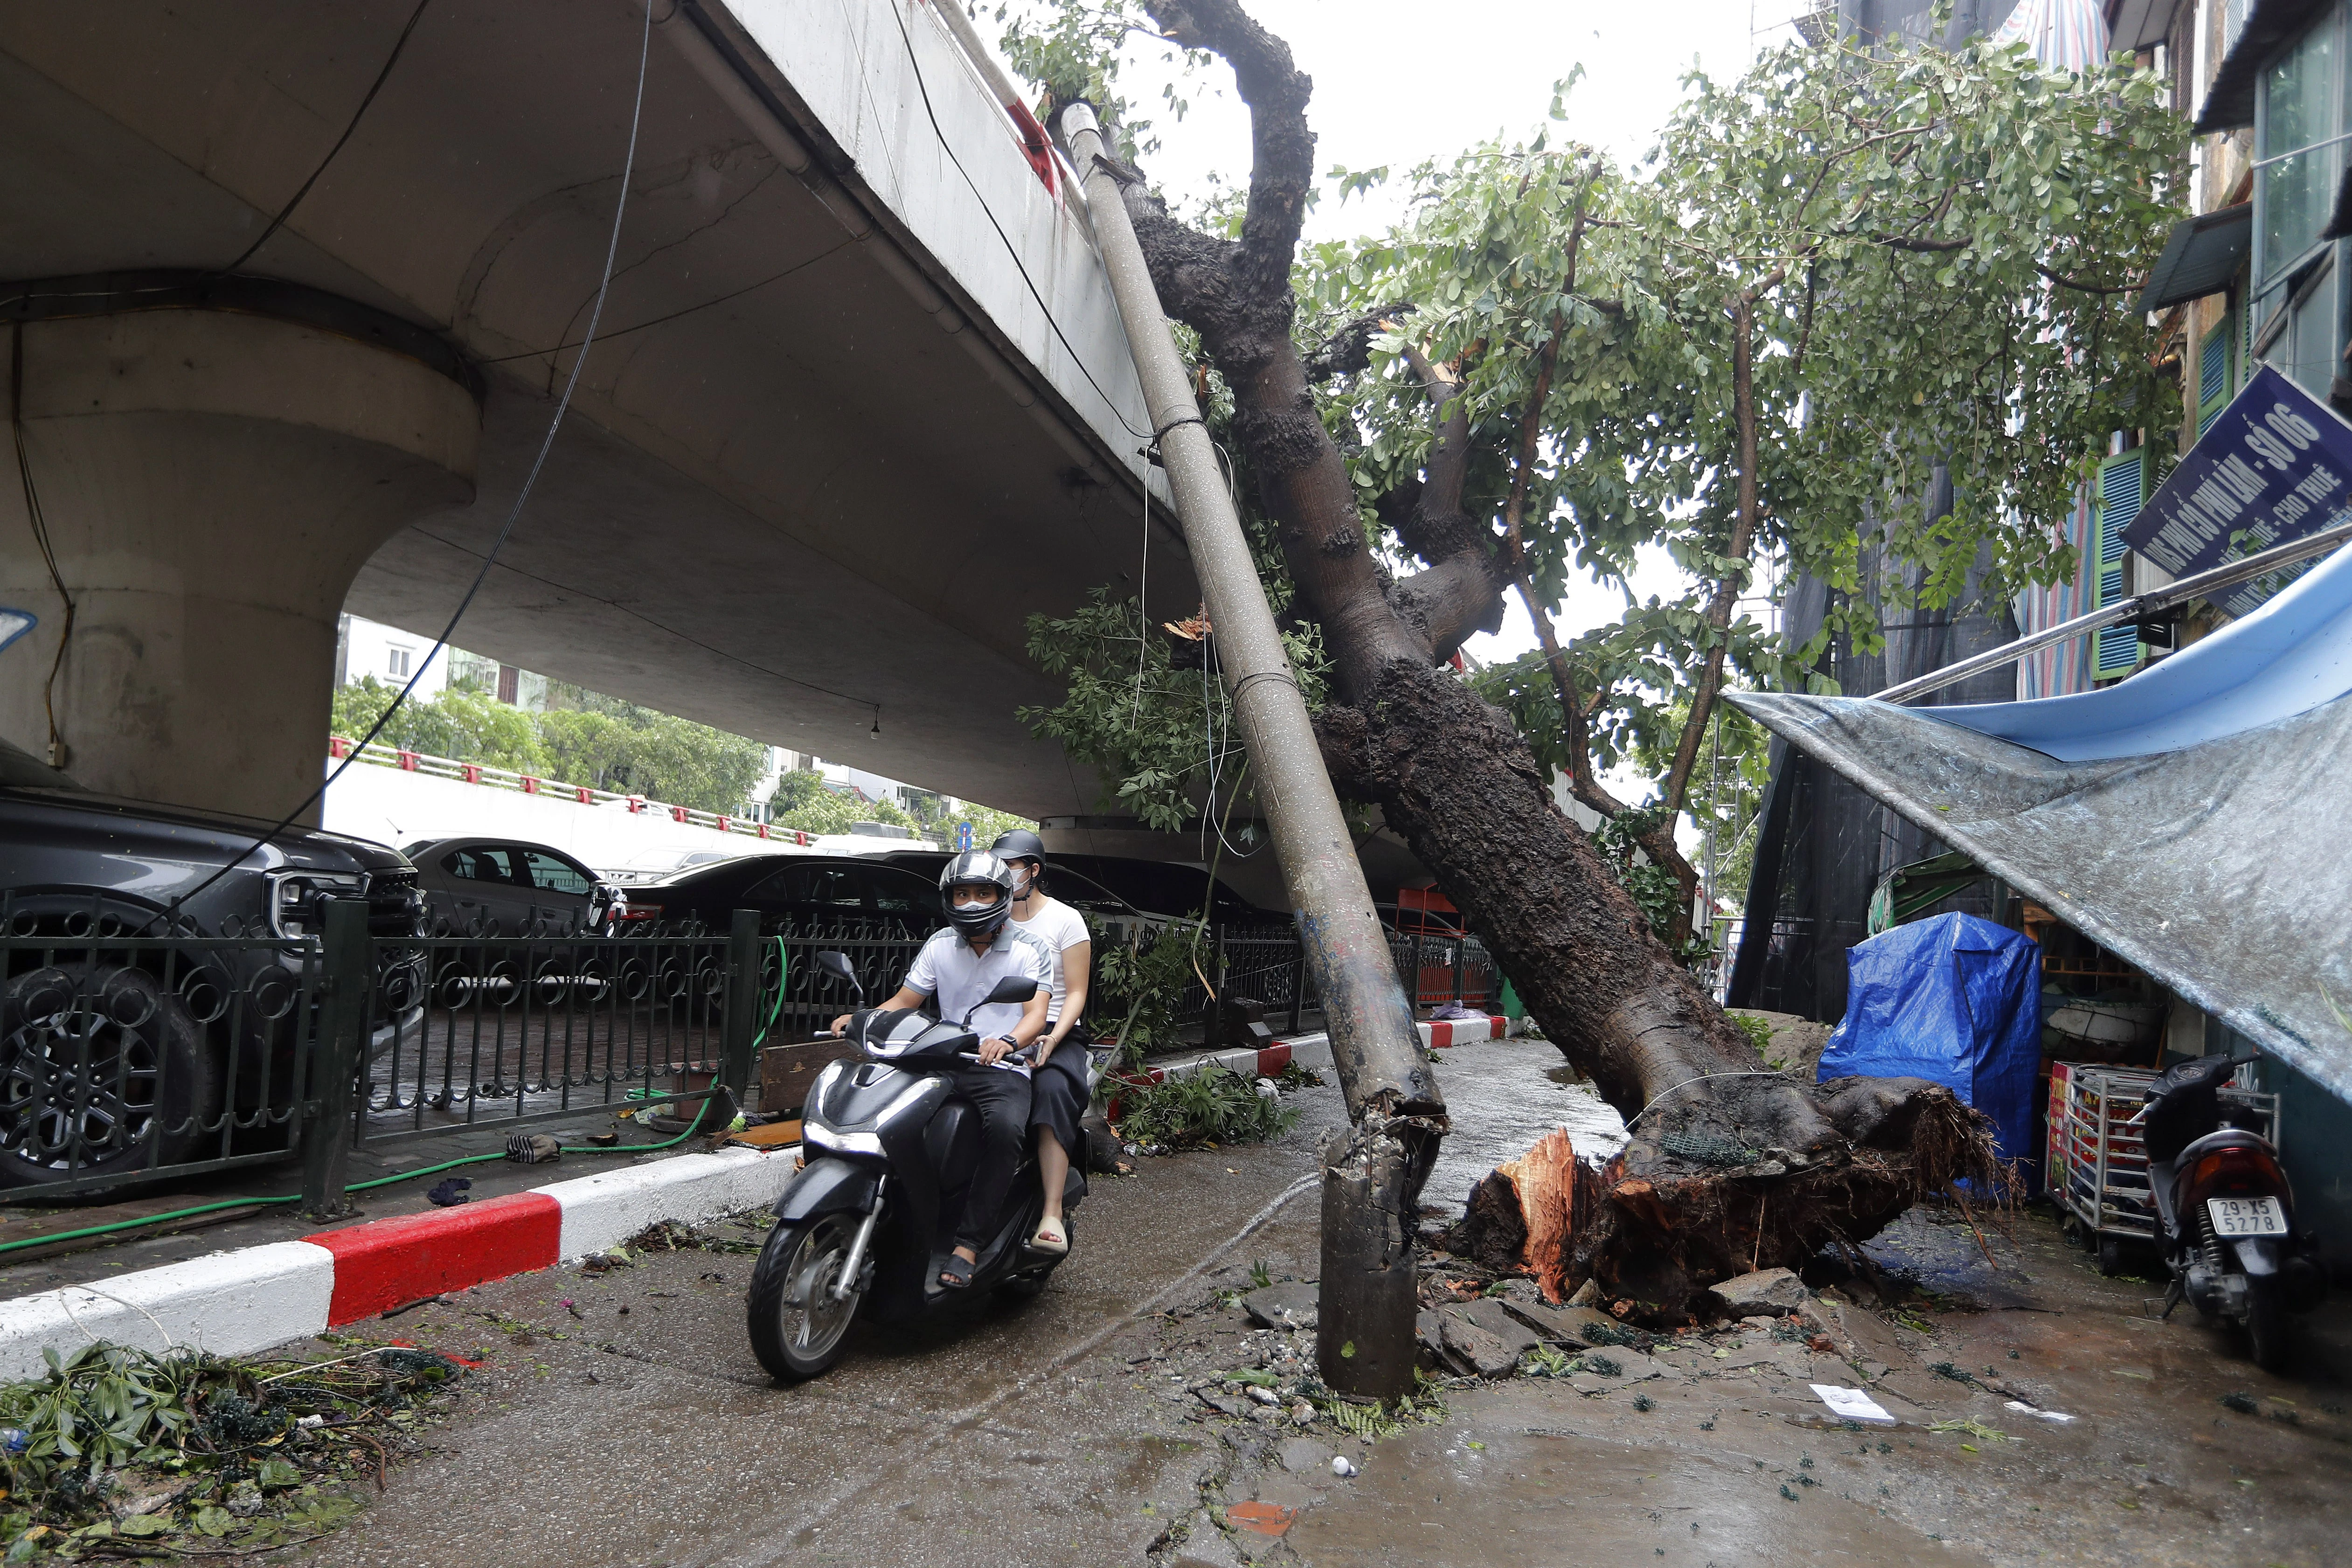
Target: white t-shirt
{"x": 1060, "y": 928}
{"x": 946, "y": 969}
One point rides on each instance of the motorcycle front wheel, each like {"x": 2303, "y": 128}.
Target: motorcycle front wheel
{"x": 798, "y": 1329}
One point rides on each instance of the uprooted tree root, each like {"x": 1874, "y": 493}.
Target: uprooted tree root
{"x": 1660, "y": 1222}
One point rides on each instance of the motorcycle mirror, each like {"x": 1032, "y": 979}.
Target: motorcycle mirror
{"x": 1014, "y": 989}
{"x": 837, "y": 966}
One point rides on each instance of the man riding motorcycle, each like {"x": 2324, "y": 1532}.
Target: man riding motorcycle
{"x": 957, "y": 968}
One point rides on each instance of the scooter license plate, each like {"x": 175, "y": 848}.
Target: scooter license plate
{"x": 2247, "y": 1216}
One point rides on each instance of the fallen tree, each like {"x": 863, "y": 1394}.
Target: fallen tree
{"x": 1615, "y": 368}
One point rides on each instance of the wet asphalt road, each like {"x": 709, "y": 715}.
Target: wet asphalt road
{"x": 1067, "y": 1430}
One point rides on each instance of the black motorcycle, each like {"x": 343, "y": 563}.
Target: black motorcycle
{"x": 869, "y": 1221}
{"x": 2225, "y": 1210}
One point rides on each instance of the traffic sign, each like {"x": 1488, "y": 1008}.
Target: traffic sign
{"x": 963, "y": 836}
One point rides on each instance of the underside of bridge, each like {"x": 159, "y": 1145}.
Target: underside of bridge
{"x": 832, "y": 444}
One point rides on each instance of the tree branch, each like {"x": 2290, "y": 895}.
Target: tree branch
{"x": 1349, "y": 350}
{"x": 1282, "y": 148}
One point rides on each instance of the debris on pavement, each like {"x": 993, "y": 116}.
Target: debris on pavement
{"x": 1852, "y": 1404}
{"x": 449, "y": 1193}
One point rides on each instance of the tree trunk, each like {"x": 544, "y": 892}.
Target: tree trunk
{"x": 1730, "y": 1167}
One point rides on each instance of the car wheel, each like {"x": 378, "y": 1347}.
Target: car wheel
{"x": 101, "y": 1070}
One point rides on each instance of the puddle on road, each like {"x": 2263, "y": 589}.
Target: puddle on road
{"x": 1524, "y": 1496}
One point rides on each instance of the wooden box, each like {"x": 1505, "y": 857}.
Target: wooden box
{"x": 786, "y": 1071}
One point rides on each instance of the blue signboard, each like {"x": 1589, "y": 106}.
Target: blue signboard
{"x": 2273, "y": 466}
{"x": 963, "y": 836}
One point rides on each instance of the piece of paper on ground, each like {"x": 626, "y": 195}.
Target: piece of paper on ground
{"x": 2022, "y": 1408}
{"x": 1852, "y": 1404}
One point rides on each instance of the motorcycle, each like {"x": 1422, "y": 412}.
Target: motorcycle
{"x": 868, "y": 1223}
{"x": 2225, "y": 1211}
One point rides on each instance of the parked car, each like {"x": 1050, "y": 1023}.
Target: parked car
{"x": 110, "y": 1054}
{"x": 809, "y": 894}
{"x": 1073, "y": 888}
{"x": 1115, "y": 886}
{"x": 499, "y": 886}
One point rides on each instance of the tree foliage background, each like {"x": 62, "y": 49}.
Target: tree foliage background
{"x": 1856, "y": 301}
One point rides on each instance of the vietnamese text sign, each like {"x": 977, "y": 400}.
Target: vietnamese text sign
{"x": 2274, "y": 466}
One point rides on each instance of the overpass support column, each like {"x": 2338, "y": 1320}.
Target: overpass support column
{"x": 210, "y": 480}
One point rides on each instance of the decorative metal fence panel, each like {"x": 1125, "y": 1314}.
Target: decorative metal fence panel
{"x": 1268, "y": 965}
{"x": 123, "y": 1057}
{"x": 525, "y": 1029}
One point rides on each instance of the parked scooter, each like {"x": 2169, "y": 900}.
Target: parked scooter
{"x": 871, "y": 1218}
{"x": 2225, "y": 1210}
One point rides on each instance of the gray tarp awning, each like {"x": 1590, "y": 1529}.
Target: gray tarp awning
{"x": 2224, "y": 870}
{"x": 2200, "y": 256}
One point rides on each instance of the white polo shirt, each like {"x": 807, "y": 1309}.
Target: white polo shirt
{"x": 955, "y": 977}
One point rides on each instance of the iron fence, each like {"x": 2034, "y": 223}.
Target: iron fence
{"x": 1268, "y": 964}
{"x": 123, "y": 1057}
{"x": 128, "y": 1059}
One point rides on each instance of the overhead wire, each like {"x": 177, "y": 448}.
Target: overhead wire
{"x": 522, "y": 496}
{"x": 40, "y": 525}
{"x": 353, "y": 124}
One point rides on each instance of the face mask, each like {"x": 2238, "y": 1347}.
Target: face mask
{"x": 1025, "y": 881}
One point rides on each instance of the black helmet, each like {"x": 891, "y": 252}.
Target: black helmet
{"x": 1019, "y": 845}
{"x": 977, "y": 868}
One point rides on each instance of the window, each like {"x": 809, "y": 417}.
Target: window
{"x": 555, "y": 876}
{"x": 395, "y": 662}
{"x": 2298, "y": 291}
{"x": 811, "y": 885}
{"x": 480, "y": 865}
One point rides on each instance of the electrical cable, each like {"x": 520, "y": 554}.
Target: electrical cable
{"x": 40, "y": 525}
{"x": 374, "y": 88}
{"x": 285, "y": 212}
{"x": 506, "y": 529}
{"x": 923, "y": 87}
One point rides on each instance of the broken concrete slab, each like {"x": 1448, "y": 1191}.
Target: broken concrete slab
{"x": 1305, "y": 1455}
{"x": 1474, "y": 1350}
{"x": 1858, "y": 1334}
{"x": 1767, "y": 1291}
{"x": 1282, "y": 1306}
{"x": 1563, "y": 1325}
{"x": 1498, "y": 1318}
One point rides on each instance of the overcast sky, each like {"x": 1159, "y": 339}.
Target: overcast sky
{"x": 1396, "y": 84}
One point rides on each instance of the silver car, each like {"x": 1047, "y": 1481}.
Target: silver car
{"x": 500, "y": 886}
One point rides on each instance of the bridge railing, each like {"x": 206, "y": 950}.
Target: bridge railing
{"x": 424, "y": 764}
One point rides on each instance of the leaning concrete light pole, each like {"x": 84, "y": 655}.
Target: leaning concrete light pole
{"x": 1372, "y": 1175}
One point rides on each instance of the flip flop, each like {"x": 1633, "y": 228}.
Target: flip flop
{"x": 955, "y": 1274}
{"x": 1050, "y": 1240}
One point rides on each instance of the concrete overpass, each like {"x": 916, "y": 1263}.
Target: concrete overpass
{"x": 861, "y": 402}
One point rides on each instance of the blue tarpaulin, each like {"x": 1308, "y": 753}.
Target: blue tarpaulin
{"x": 1955, "y": 1000}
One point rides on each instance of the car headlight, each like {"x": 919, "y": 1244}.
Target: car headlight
{"x": 294, "y": 897}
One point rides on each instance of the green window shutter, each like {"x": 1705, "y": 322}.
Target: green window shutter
{"x": 2215, "y": 383}
{"x": 2123, "y": 487}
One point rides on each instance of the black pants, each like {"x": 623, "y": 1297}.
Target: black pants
{"x": 1057, "y": 1093}
{"x": 1002, "y": 1099}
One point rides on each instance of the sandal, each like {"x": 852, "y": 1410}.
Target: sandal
{"x": 1050, "y": 1240}
{"x": 955, "y": 1274}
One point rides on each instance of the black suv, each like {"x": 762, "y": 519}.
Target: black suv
{"x": 111, "y": 1056}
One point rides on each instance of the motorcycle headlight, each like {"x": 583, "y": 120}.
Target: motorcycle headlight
{"x": 294, "y": 898}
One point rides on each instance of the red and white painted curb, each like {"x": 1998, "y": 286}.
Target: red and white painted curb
{"x": 234, "y": 1303}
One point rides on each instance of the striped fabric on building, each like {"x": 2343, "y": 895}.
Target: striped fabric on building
{"x": 2064, "y": 669}
{"x": 2064, "y": 34}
